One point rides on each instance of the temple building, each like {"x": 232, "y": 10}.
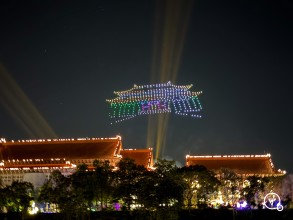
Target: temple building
{"x": 34, "y": 160}
{"x": 243, "y": 165}
{"x": 25, "y": 160}
{"x": 142, "y": 157}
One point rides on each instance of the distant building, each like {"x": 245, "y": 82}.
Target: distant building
{"x": 243, "y": 165}
{"x": 142, "y": 157}
{"x": 34, "y": 160}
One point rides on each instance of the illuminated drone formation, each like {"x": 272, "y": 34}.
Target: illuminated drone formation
{"x": 155, "y": 99}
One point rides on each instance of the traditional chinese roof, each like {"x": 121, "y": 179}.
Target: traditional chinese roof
{"x": 140, "y": 156}
{"x": 240, "y": 164}
{"x": 156, "y": 92}
{"x": 70, "y": 149}
{"x": 155, "y": 99}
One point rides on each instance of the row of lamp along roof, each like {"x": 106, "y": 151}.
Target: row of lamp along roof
{"x": 43, "y": 154}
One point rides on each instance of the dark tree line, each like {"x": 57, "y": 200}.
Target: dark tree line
{"x": 131, "y": 187}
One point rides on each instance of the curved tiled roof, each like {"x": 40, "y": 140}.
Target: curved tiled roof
{"x": 140, "y": 156}
{"x": 240, "y": 164}
{"x": 71, "y": 149}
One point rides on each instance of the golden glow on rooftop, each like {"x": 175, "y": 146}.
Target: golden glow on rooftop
{"x": 229, "y": 156}
{"x": 3, "y": 140}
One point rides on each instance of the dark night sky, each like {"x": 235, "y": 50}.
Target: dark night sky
{"x": 69, "y": 56}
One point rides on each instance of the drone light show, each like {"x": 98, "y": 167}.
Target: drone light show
{"x": 155, "y": 99}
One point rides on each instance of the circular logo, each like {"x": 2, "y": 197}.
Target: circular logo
{"x": 273, "y": 201}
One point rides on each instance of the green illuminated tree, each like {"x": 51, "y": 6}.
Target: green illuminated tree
{"x": 231, "y": 186}
{"x": 253, "y": 185}
{"x": 18, "y": 196}
{"x": 200, "y": 185}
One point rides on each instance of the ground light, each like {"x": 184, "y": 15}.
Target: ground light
{"x": 33, "y": 209}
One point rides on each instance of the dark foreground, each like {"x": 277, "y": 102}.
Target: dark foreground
{"x": 203, "y": 214}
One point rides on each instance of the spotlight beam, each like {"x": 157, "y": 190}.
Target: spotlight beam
{"x": 21, "y": 109}
{"x": 171, "y": 23}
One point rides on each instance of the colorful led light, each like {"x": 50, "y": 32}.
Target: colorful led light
{"x": 154, "y": 99}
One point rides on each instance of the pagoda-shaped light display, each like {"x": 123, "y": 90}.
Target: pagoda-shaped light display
{"x": 155, "y": 99}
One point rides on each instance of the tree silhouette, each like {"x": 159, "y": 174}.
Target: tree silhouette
{"x": 200, "y": 185}
{"x": 17, "y": 196}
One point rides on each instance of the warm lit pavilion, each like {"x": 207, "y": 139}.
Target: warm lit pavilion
{"x": 58, "y": 152}
{"x": 142, "y": 157}
{"x": 244, "y": 165}
{"x": 24, "y": 159}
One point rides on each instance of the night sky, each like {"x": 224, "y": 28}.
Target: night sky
{"x": 69, "y": 56}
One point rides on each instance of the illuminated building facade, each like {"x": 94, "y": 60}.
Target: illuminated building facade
{"x": 243, "y": 165}
{"x": 25, "y": 160}
{"x": 35, "y": 159}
